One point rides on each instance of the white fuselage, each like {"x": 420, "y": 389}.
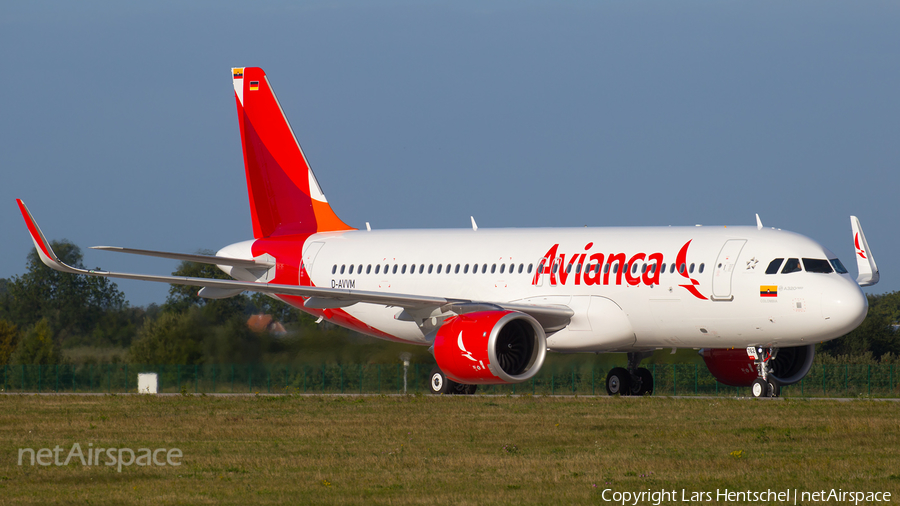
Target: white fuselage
{"x": 722, "y": 299}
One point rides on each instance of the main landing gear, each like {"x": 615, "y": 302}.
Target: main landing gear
{"x": 439, "y": 383}
{"x": 632, "y": 380}
{"x": 764, "y": 385}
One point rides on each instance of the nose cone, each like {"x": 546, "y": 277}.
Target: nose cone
{"x": 844, "y": 309}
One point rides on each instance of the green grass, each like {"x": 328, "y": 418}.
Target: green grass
{"x": 448, "y": 450}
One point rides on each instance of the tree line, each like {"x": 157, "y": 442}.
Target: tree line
{"x": 44, "y": 314}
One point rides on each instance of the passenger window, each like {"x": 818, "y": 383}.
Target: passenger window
{"x": 569, "y": 269}
{"x": 555, "y": 266}
{"x": 359, "y": 269}
{"x": 422, "y": 268}
{"x": 634, "y": 268}
{"x": 369, "y": 269}
{"x": 774, "y": 265}
{"x": 493, "y": 268}
{"x": 394, "y": 270}
{"x": 701, "y": 268}
{"x": 512, "y": 267}
{"x": 403, "y": 270}
{"x": 466, "y": 269}
{"x": 838, "y": 266}
{"x": 615, "y": 268}
{"x": 605, "y": 268}
{"x": 521, "y": 266}
{"x": 502, "y": 268}
{"x": 817, "y": 265}
{"x": 342, "y": 268}
{"x": 439, "y": 268}
{"x": 643, "y": 268}
{"x": 663, "y": 268}
{"x": 455, "y": 271}
{"x": 351, "y": 270}
{"x": 334, "y": 269}
{"x": 529, "y": 268}
{"x": 431, "y": 267}
{"x": 792, "y": 265}
{"x": 377, "y": 268}
{"x": 691, "y": 270}
{"x": 681, "y": 268}
{"x": 672, "y": 269}
{"x": 475, "y": 269}
{"x": 484, "y": 268}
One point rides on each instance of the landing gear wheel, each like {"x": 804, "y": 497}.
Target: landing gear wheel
{"x": 618, "y": 381}
{"x": 646, "y": 386}
{"x": 439, "y": 383}
{"x": 759, "y": 388}
{"x": 774, "y": 388}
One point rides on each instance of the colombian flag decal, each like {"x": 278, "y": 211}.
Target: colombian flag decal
{"x": 238, "y": 73}
{"x": 768, "y": 290}
{"x": 254, "y": 85}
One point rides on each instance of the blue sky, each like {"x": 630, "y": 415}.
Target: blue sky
{"x": 119, "y": 124}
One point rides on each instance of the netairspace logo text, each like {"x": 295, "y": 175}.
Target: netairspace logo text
{"x": 787, "y": 496}
{"x": 115, "y": 457}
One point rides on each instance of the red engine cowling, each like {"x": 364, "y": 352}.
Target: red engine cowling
{"x": 734, "y": 367}
{"x": 490, "y": 347}
{"x": 730, "y": 366}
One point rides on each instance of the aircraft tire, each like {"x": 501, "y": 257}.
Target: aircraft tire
{"x": 646, "y": 377}
{"x": 618, "y": 381}
{"x": 774, "y": 388}
{"x": 439, "y": 384}
{"x": 759, "y": 388}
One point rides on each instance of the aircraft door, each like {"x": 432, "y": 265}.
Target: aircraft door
{"x": 724, "y": 268}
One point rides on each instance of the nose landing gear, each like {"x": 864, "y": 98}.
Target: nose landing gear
{"x": 765, "y": 385}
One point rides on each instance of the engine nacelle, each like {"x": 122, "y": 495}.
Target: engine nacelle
{"x": 490, "y": 347}
{"x": 734, "y": 367}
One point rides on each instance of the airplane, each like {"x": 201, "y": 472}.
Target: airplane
{"x": 490, "y": 303}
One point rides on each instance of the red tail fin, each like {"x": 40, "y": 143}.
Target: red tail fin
{"x": 285, "y": 197}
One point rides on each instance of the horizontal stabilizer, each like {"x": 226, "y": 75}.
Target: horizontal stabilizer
{"x": 200, "y": 259}
{"x": 868, "y": 271}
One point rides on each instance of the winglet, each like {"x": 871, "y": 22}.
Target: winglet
{"x": 868, "y": 271}
{"x": 40, "y": 242}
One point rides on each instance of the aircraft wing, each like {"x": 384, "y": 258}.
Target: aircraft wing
{"x": 551, "y": 317}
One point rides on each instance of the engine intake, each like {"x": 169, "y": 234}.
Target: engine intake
{"x": 490, "y": 347}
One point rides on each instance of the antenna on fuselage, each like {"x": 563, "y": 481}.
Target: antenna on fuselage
{"x": 758, "y": 222}
{"x": 474, "y": 226}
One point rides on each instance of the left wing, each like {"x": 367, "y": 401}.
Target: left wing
{"x": 551, "y": 317}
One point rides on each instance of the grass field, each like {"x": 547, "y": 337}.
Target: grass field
{"x": 447, "y": 450}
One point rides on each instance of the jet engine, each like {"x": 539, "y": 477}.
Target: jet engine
{"x": 734, "y": 367}
{"x": 490, "y": 347}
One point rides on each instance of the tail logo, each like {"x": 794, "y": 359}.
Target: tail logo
{"x": 859, "y": 251}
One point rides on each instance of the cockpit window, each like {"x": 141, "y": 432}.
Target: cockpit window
{"x": 774, "y": 265}
{"x": 817, "y": 265}
{"x": 838, "y": 266}
{"x": 792, "y": 265}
